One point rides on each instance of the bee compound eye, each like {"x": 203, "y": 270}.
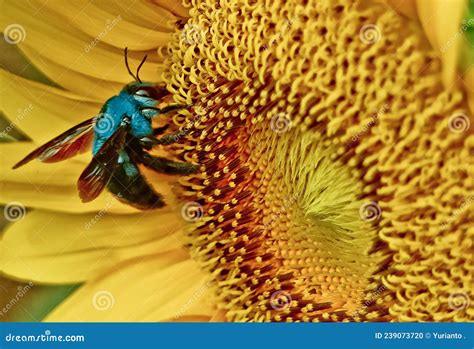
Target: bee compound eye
{"x": 142, "y": 92}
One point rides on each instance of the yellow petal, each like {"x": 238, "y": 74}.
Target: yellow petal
{"x": 441, "y": 21}
{"x": 112, "y": 26}
{"x": 52, "y": 247}
{"x": 144, "y": 14}
{"x": 219, "y": 316}
{"x": 145, "y": 289}
{"x": 42, "y": 112}
{"x": 85, "y": 85}
{"x": 54, "y": 37}
{"x": 173, "y": 6}
{"x": 190, "y": 318}
{"x": 469, "y": 83}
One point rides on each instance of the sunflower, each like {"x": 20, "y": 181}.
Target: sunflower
{"x": 105, "y": 244}
{"x": 336, "y": 164}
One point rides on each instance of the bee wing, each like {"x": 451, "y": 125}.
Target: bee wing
{"x": 76, "y": 140}
{"x": 99, "y": 171}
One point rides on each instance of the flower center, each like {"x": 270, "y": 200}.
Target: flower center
{"x": 281, "y": 231}
{"x": 307, "y": 120}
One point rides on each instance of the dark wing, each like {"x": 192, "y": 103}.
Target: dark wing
{"x": 76, "y": 140}
{"x": 98, "y": 173}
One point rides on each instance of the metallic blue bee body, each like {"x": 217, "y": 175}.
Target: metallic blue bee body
{"x": 140, "y": 109}
{"x": 120, "y": 137}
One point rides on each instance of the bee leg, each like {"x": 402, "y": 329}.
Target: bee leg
{"x": 149, "y": 142}
{"x": 170, "y": 139}
{"x": 164, "y": 165}
{"x": 159, "y": 130}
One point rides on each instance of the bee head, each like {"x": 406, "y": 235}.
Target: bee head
{"x": 145, "y": 90}
{"x": 142, "y": 91}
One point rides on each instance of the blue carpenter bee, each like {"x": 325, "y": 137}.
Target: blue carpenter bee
{"x": 120, "y": 137}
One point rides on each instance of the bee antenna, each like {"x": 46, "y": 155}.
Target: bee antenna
{"x": 128, "y": 67}
{"x": 138, "y": 69}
